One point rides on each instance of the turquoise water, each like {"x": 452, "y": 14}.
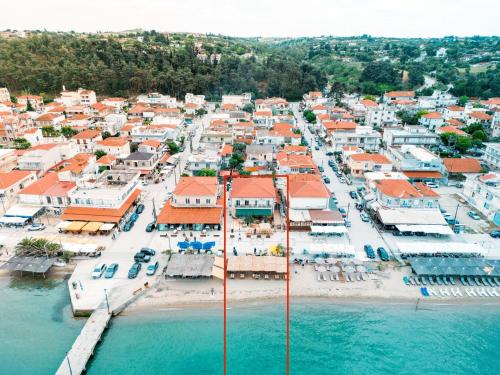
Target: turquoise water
{"x": 36, "y": 328}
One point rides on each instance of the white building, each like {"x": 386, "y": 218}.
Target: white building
{"x": 380, "y": 116}
{"x": 199, "y": 100}
{"x": 483, "y": 192}
{"x": 4, "y": 94}
{"x": 43, "y": 157}
{"x": 492, "y": 155}
{"x": 432, "y": 120}
{"x": 238, "y": 100}
{"x": 155, "y": 98}
{"x": 361, "y": 136}
{"x": 409, "y": 135}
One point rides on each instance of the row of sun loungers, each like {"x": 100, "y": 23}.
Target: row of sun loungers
{"x": 456, "y": 292}
{"x": 451, "y": 281}
{"x": 348, "y": 277}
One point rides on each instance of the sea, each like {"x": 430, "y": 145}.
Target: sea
{"x": 326, "y": 337}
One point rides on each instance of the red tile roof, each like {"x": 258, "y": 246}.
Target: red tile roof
{"x": 113, "y": 142}
{"x": 462, "y": 165}
{"x": 339, "y": 125}
{"x": 253, "y": 187}
{"x": 376, "y": 158}
{"x": 451, "y": 129}
{"x": 423, "y": 174}
{"x": 398, "y": 189}
{"x": 197, "y": 186}
{"x": 87, "y": 134}
{"x": 7, "y": 179}
{"x": 189, "y": 215}
{"x": 49, "y": 185}
{"x": 307, "y": 186}
{"x": 433, "y": 116}
{"x": 151, "y": 142}
{"x": 400, "y": 94}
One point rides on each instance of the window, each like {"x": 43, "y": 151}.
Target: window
{"x": 207, "y": 201}
{"x": 198, "y": 201}
{"x": 247, "y": 203}
{"x": 187, "y": 201}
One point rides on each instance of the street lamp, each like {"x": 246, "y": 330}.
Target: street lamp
{"x": 107, "y": 302}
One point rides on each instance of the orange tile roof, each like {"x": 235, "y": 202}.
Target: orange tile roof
{"x": 7, "y": 179}
{"x": 481, "y": 116}
{"x": 462, "y": 165}
{"x": 323, "y": 116}
{"x": 87, "y": 134}
{"x": 49, "y": 185}
{"x": 425, "y": 190}
{"x": 45, "y": 147}
{"x": 307, "y": 186}
{"x": 77, "y": 163}
{"x": 318, "y": 107}
{"x": 423, "y": 174}
{"x": 189, "y": 215}
{"x": 397, "y": 188}
{"x": 455, "y": 108}
{"x": 433, "y": 116}
{"x": 106, "y": 159}
{"x": 455, "y": 122}
{"x": 263, "y": 113}
{"x": 400, "y": 94}
{"x": 451, "y": 129}
{"x": 292, "y": 148}
{"x": 191, "y": 105}
{"x": 226, "y": 150}
{"x": 253, "y": 187}
{"x": 151, "y": 142}
{"x": 197, "y": 186}
{"x": 368, "y": 103}
{"x": 339, "y": 125}
{"x": 376, "y": 158}
{"x": 47, "y": 117}
{"x": 113, "y": 142}
{"x": 105, "y": 215}
{"x": 229, "y": 106}
{"x": 294, "y": 160}
{"x": 350, "y": 148}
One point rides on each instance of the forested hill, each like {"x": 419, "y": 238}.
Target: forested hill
{"x": 127, "y": 64}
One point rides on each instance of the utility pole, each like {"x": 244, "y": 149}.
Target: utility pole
{"x": 348, "y": 207}
{"x": 107, "y": 302}
{"x": 455, "y": 217}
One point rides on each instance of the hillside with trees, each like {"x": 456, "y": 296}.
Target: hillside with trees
{"x": 130, "y": 63}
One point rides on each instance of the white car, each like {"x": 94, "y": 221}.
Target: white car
{"x": 98, "y": 270}
{"x": 36, "y": 227}
{"x": 432, "y": 185}
{"x": 342, "y": 179}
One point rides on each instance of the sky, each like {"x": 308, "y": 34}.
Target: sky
{"x": 266, "y": 18}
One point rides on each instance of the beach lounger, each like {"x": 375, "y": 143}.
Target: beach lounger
{"x": 323, "y": 276}
{"x": 424, "y": 292}
{"x": 445, "y": 281}
{"x": 358, "y": 277}
{"x": 468, "y": 292}
{"x": 319, "y": 276}
{"x": 452, "y": 280}
{"x": 480, "y": 292}
{"x": 496, "y": 280}
{"x": 459, "y": 293}
{"x": 441, "y": 292}
{"x": 453, "y": 293}
{"x": 463, "y": 281}
{"x": 496, "y": 293}
{"x": 490, "y": 292}
{"x": 432, "y": 292}
{"x": 406, "y": 281}
{"x": 417, "y": 281}
{"x": 364, "y": 277}
{"x": 337, "y": 277}
{"x": 432, "y": 281}
{"x": 423, "y": 280}
{"x": 332, "y": 278}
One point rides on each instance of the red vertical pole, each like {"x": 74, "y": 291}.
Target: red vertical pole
{"x": 287, "y": 276}
{"x": 225, "y": 273}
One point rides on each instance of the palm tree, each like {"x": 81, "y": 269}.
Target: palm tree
{"x": 30, "y": 246}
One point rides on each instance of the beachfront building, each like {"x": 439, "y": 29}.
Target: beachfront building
{"x": 253, "y": 196}
{"x": 409, "y": 135}
{"x": 49, "y": 191}
{"x": 359, "y": 163}
{"x": 417, "y": 163}
{"x": 11, "y": 183}
{"x": 379, "y": 115}
{"x": 393, "y": 193}
{"x": 195, "y": 205}
{"x": 109, "y": 198}
{"x": 483, "y": 193}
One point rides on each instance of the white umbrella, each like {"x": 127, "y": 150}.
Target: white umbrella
{"x": 321, "y": 269}
{"x": 331, "y": 260}
{"x": 349, "y": 269}
{"x": 361, "y": 268}
{"x": 335, "y": 269}
{"x": 319, "y": 261}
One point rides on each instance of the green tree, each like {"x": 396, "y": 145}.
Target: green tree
{"x": 21, "y": 144}
{"x": 310, "y": 116}
{"x": 480, "y": 135}
{"x": 99, "y": 154}
{"x": 106, "y": 134}
{"x": 463, "y": 100}
{"x": 462, "y": 144}
{"x": 248, "y": 108}
{"x": 236, "y": 160}
{"x": 173, "y": 148}
{"x": 29, "y": 106}
{"x": 207, "y": 172}
{"x": 68, "y": 131}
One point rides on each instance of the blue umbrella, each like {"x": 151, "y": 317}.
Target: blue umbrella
{"x": 208, "y": 245}
{"x": 183, "y": 244}
{"x": 196, "y": 245}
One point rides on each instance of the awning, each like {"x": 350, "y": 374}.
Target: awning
{"x": 23, "y": 211}
{"x": 254, "y": 212}
{"x": 107, "y": 226}
{"x": 422, "y": 174}
{"x": 410, "y": 216}
{"x": 93, "y": 226}
{"x": 75, "y": 226}
{"x": 431, "y": 229}
{"x": 299, "y": 215}
{"x": 428, "y": 247}
{"x": 328, "y": 229}
{"x": 63, "y": 224}
{"x": 12, "y": 220}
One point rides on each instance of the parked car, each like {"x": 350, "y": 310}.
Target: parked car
{"x": 329, "y": 153}
{"x": 98, "y": 270}
{"x": 432, "y": 185}
{"x": 139, "y": 209}
{"x": 150, "y": 227}
{"x": 151, "y": 270}
{"x": 365, "y": 217}
{"x": 321, "y": 169}
{"x": 134, "y": 270}
{"x": 338, "y": 173}
{"x": 347, "y": 223}
{"x": 134, "y": 217}
{"x": 382, "y": 253}
{"x": 326, "y": 180}
{"x": 495, "y": 234}
{"x": 369, "y": 251}
{"x": 148, "y": 251}
{"x": 128, "y": 225}
{"x": 335, "y": 168}
{"x": 342, "y": 179}
{"x": 111, "y": 270}
{"x": 36, "y": 227}
{"x": 459, "y": 185}
{"x": 343, "y": 212}
{"x": 142, "y": 257}
{"x": 353, "y": 194}
{"x": 474, "y": 215}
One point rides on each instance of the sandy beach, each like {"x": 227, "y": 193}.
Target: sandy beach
{"x": 303, "y": 284}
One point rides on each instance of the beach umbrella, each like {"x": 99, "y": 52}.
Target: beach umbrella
{"x": 349, "y": 269}
{"x": 183, "y": 244}
{"x": 321, "y": 269}
{"x": 335, "y": 269}
{"x": 361, "y": 268}
{"x": 319, "y": 260}
{"x": 208, "y": 245}
{"x": 331, "y": 260}
{"x": 196, "y": 245}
